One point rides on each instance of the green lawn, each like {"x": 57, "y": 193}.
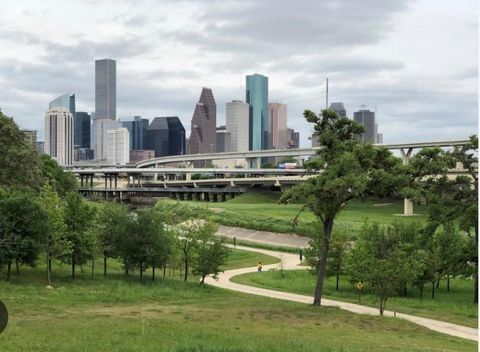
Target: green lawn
{"x": 455, "y": 306}
{"x": 243, "y": 259}
{"x": 261, "y": 211}
{"x": 119, "y": 314}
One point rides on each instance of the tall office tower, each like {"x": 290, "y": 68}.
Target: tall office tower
{"x": 59, "y": 135}
{"x": 66, "y": 101}
{"x": 166, "y": 136}
{"x": 31, "y": 136}
{"x": 366, "y": 118}
{"x": 293, "y": 138}
{"x": 259, "y": 124}
{"x": 105, "y": 89}
{"x": 117, "y": 143}
{"x": 223, "y": 139}
{"x": 339, "y": 109}
{"x": 278, "y": 123}
{"x": 137, "y": 128}
{"x": 204, "y": 123}
{"x": 82, "y": 129}
{"x": 99, "y": 129}
{"x": 237, "y": 124}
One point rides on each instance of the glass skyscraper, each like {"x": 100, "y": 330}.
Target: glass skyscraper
{"x": 257, "y": 98}
{"x": 105, "y": 89}
{"x": 138, "y": 131}
{"x": 66, "y": 101}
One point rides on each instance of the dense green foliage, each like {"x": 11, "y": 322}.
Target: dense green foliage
{"x": 350, "y": 170}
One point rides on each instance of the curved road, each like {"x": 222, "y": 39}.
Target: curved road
{"x": 291, "y": 261}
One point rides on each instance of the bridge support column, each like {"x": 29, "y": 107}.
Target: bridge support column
{"x": 81, "y": 180}
{"x": 189, "y": 196}
{"x": 232, "y": 195}
{"x": 105, "y": 181}
{"x": 198, "y": 196}
{"x": 116, "y": 177}
{"x": 188, "y": 177}
{"x": 213, "y": 197}
{"x": 407, "y": 203}
{"x": 222, "y": 197}
{"x": 91, "y": 181}
{"x": 206, "y": 197}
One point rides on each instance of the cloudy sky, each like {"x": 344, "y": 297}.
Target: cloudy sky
{"x": 414, "y": 61}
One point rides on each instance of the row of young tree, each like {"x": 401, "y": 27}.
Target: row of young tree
{"x": 388, "y": 260}
{"x": 41, "y": 215}
{"x": 69, "y": 230}
{"x": 351, "y": 169}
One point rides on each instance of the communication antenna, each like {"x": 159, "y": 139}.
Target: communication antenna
{"x": 326, "y": 96}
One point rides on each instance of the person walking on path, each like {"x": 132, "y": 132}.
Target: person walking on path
{"x": 259, "y": 267}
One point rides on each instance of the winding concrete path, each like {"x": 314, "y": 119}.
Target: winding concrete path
{"x": 291, "y": 261}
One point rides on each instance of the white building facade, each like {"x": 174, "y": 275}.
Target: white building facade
{"x": 117, "y": 146}
{"x": 237, "y": 123}
{"x": 99, "y": 134}
{"x": 59, "y": 133}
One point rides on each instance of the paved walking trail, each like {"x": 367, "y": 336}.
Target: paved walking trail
{"x": 274, "y": 238}
{"x": 291, "y": 261}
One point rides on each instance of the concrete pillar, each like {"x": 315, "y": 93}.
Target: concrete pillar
{"x": 116, "y": 176}
{"x": 206, "y": 196}
{"x": 407, "y": 207}
{"x": 222, "y": 197}
{"x": 81, "y": 180}
{"x": 189, "y": 196}
{"x": 407, "y": 203}
{"x": 213, "y": 197}
{"x": 91, "y": 180}
{"x": 197, "y": 196}
{"x": 105, "y": 181}
{"x": 188, "y": 177}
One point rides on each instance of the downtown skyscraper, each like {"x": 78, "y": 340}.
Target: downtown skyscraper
{"x": 204, "y": 124}
{"x": 59, "y": 135}
{"x": 105, "y": 89}
{"x": 257, "y": 98}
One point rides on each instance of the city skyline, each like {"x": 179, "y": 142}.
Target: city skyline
{"x": 381, "y": 60}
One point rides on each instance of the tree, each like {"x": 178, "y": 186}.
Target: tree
{"x": 380, "y": 257}
{"x": 19, "y": 162}
{"x": 113, "y": 224}
{"x": 61, "y": 181}
{"x": 450, "y": 201}
{"x": 22, "y": 223}
{"x": 79, "y": 217}
{"x": 190, "y": 234}
{"x": 149, "y": 244}
{"x": 339, "y": 248}
{"x": 211, "y": 255}
{"x": 55, "y": 242}
{"x": 349, "y": 169}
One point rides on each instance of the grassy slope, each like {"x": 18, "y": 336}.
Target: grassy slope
{"x": 118, "y": 314}
{"x": 262, "y": 209}
{"x": 244, "y": 259}
{"x": 455, "y": 306}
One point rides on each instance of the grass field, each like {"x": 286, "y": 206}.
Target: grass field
{"x": 243, "y": 259}
{"x": 455, "y": 306}
{"x": 261, "y": 211}
{"x": 118, "y": 314}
